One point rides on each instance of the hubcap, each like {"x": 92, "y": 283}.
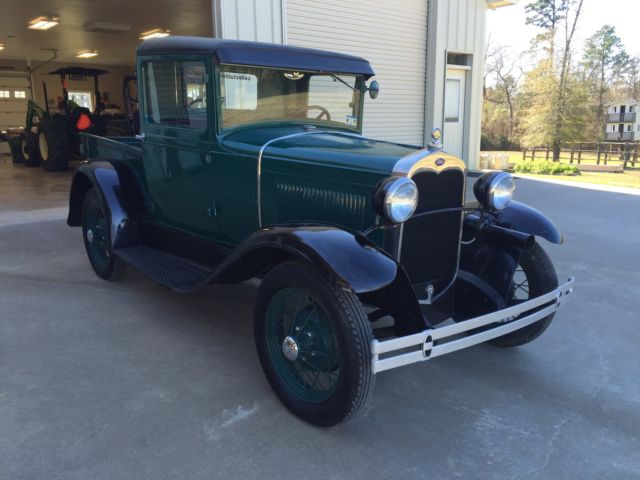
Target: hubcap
{"x": 290, "y": 348}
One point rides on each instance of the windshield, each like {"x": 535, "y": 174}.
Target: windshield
{"x": 255, "y": 94}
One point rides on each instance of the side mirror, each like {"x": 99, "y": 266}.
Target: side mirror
{"x": 373, "y": 89}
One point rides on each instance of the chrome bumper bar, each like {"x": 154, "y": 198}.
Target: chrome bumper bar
{"x": 419, "y": 347}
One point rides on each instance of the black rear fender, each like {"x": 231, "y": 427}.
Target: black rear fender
{"x": 119, "y": 194}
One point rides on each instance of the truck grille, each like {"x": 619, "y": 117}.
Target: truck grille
{"x": 430, "y": 243}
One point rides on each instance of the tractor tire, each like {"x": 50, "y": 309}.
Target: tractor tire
{"x": 54, "y": 144}
{"x": 30, "y": 150}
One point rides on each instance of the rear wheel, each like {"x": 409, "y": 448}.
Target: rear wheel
{"x": 53, "y": 142}
{"x": 97, "y": 243}
{"x": 314, "y": 344}
{"x": 534, "y": 276}
{"x": 31, "y": 150}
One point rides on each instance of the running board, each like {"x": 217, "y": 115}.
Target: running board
{"x": 170, "y": 270}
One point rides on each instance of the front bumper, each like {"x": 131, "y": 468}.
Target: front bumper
{"x": 434, "y": 342}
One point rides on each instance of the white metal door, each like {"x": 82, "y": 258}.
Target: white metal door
{"x": 14, "y": 95}
{"x": 454, "y": 106}
{"x": 392, "y": 36}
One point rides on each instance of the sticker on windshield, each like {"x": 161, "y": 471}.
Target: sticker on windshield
{"x": 351, "y": 120}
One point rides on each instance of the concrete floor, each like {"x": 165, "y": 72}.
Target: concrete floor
{"x": 128, "y": 380}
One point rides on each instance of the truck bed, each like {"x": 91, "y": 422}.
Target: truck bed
{"x": 111, "y": 148}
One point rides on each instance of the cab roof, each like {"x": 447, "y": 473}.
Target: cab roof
{"x": 239, "y": 52}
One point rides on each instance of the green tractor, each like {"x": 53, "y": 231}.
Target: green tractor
{"x": 52, "y": 140}
{"x": 30, "y": 149}
{"x": 59, "y": 133}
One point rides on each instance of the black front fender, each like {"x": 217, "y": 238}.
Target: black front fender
{"x": 523, "y": 218}
{"x": 348, "y": 258}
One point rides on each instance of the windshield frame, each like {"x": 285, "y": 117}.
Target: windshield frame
{"x": 360, "y": 87}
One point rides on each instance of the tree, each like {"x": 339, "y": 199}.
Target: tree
{"x": 604, "y": 62}
{"x": 551, "y": 16}
{"x": 547, "y": 15}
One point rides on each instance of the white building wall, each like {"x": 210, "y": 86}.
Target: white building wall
{"x": 456, "y": 26}
{"x": 392, "y": 36}
{"x": 406, "y": 41}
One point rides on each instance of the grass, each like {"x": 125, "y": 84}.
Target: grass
{"x": 629, "y": 178}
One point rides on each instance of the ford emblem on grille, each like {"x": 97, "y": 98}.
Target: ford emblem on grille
{"x": 440, "y": 162}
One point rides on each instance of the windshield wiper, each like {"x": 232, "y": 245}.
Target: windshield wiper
{"x": 335, "y": 77}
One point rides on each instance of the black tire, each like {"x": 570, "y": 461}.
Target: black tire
{"x": 17, "y": 152}
{"x": 31, "y": 150}
{"x": 540, "y": 276}
{"x": 341, "y": 313}
{"x": 54, "y": 144}
{"x": 97, "y": 243}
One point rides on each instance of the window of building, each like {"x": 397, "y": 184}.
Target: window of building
{"x": 615, "y": 109}
{"x": 176, "y": 94}
{"x": 629, "y": 127}
{"x": 631, "y": 109}
{"x": 84, "y": 99}
{"x": 5, "y": 94}
{"x": 19, "y": 94}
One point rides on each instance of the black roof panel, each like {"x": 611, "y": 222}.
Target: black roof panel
{"x": 239, "y": 52}
{"x": 78, "y": 71}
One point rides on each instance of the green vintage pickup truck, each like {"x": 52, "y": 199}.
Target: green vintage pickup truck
{"x": 251, "y": 163}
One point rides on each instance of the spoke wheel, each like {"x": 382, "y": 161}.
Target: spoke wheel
{"x": 95, "y": 232}
{"x": 314, "y": 344}
{"x": 302, "y": 346}
{"x": 534, "y": 276}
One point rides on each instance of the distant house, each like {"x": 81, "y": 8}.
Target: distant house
{"x": 623, "y": 121}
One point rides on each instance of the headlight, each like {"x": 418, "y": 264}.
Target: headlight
{"x": 396, "y": 199}
{"x": 494, "y": 190}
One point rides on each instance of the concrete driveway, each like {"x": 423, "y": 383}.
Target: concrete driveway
{"x": 128, "y": 380}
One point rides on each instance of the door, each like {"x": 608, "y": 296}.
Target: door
{"x": 393, "y": 37}
{"x": 454, "y": 114}
{"x": 14, "y": 95}
{"x": 177, "y": 150}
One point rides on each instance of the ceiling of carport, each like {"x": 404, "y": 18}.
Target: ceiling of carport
{"x": 182, "y": 17}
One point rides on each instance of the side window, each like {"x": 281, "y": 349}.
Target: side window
{"x": 176, "y": 94}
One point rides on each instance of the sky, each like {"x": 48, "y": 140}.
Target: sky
{"x": 506, "y": 25}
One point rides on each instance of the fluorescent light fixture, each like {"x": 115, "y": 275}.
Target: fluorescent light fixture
{"x": 155, "y": 33}
{"x": 86, "y": 53}
{"x": 44, "y": 23}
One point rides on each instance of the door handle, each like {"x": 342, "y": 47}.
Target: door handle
{"x": 140, "y": 136}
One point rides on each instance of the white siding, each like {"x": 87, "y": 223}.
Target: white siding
{"x": 254, "y": 20}
{"x": 393, "y": 37}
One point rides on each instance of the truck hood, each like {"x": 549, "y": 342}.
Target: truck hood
{"x": 328, "y": 147}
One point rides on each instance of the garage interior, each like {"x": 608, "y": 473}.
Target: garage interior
{"x": 28, "y": 55}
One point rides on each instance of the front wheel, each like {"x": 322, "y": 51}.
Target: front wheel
{"x": 314, "y": 344}
{"x": 534, "y": 276}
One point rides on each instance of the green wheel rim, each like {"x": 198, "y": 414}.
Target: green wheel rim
{"x": 96, "y": 236}
{"x": 313, "y": 375}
